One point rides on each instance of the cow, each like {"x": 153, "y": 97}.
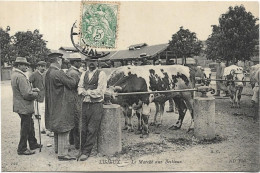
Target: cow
{"x": 232, "y": 73}
{"x": 155, "y": 78}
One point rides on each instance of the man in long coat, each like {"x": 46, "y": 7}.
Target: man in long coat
{"x": 23, "y": 97}
{"x": 59, "y": 108}
{"x": 74, "y": 72}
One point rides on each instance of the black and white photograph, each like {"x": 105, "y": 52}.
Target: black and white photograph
{"x": 129, "y": 86}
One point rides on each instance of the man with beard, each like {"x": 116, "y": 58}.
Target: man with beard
{"x": 91, "y": 88}
{"x": 59, "y": 117}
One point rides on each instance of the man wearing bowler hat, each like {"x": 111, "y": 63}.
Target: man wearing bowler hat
{"x": 23, "y": 97}
{"x": 91, "y": 88}
{"x": 37, "y": 80}
{"x": 58, "y": 108}
{"x": 73, "y": 71}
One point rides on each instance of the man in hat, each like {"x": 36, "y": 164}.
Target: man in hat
{"x": 58, "y": 109}
{"x": 37, "y": 80}
{"x": 74, "y": 72}
{"x": 92, "y": 86}
{"x": 219, "y": 74}
{"x": 23, "y": 97}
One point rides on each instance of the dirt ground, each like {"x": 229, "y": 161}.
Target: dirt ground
{"x": 235, "y": 148}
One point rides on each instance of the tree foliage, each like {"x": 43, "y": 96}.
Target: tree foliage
{"x": 26, "y": 44}
{"x": 236, "y": 36}
{"x": 185, "y": 44}
{"x": 7, "y": 50}
{"x": 31, "y": 45}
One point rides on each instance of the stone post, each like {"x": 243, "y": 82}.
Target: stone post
{"x": 204, "y": 117}
{"x": 109, "y": 138}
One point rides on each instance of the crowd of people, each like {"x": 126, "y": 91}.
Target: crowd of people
{"x": 69, "y": 103}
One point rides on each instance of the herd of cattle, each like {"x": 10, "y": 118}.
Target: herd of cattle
{"x": 128, "y": 79}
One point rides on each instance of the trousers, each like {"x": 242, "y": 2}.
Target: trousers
{"x": 61, "y": 143}
{"x": 27, "y": 133}
{"x": 91, "y": 119}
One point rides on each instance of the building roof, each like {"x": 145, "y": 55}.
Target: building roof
{"x": 72, "y": 49}
{"x": 138, "y": 45}
{"x": 146, "y": 51}
{"x": 69, "y": 53}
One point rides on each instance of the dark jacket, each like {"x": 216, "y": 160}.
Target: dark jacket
{"x": 23, "y": 96}
{"x": 58, "y": 103}
{"x": 73, "y": 94}
{"x": 37, "y": 80}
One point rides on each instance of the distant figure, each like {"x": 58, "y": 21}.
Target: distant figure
{"x": 219, "y": 75}
{"x": 158, "y": 62}
{"x": 23, "y": 97}
{"x": 145, "y": 62}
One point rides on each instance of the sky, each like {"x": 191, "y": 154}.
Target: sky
{"x": 138, "y": 22}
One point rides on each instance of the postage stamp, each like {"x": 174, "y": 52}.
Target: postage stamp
{"x": 99, "y": 21}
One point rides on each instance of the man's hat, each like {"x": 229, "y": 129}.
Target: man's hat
{"x": 21, "y": 60}
{"x": 51, "y": 56}
{"x": 41, "y": 63}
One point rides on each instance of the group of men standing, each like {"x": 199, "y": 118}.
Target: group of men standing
{"x": 72, "y": 101}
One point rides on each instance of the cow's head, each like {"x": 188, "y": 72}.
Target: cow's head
{"x": 207, "y": 75}
{"x": 128, "y": 83}
{"x": 237, "y": 75}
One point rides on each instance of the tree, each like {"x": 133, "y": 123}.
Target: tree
{"x": 31, "y": 45}
{"x": 185, "y": 44}
{"x": 7, "y": 50}
{"x": 235, "y": 38}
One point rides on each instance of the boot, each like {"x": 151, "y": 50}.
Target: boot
{"x": 217, "y": 94}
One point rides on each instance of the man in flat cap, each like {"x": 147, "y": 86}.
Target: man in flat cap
{"x": 23, "y": 97}
{"x": 73, "y": 71}
{"x": 37, "y": 80}
{"x": 58, "y": 109}
{"x": 91, "y": 88}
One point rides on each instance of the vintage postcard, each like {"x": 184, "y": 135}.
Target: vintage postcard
{"x": 129, "y": 86}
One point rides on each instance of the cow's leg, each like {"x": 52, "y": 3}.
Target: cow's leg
{"x": 126, "y": 119}
{"x": 239, "y": 96}
{"x": 171, "y": 105}
{"x": 182, "y": 111}
{"x": 161, "y": 111}
{"x": 157, "y": 109}
{"x": 232, "y": 97}
{"x": 130, "y": 122}
{"x": 145, "y": 125}
{"x": 139, "y": 123}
